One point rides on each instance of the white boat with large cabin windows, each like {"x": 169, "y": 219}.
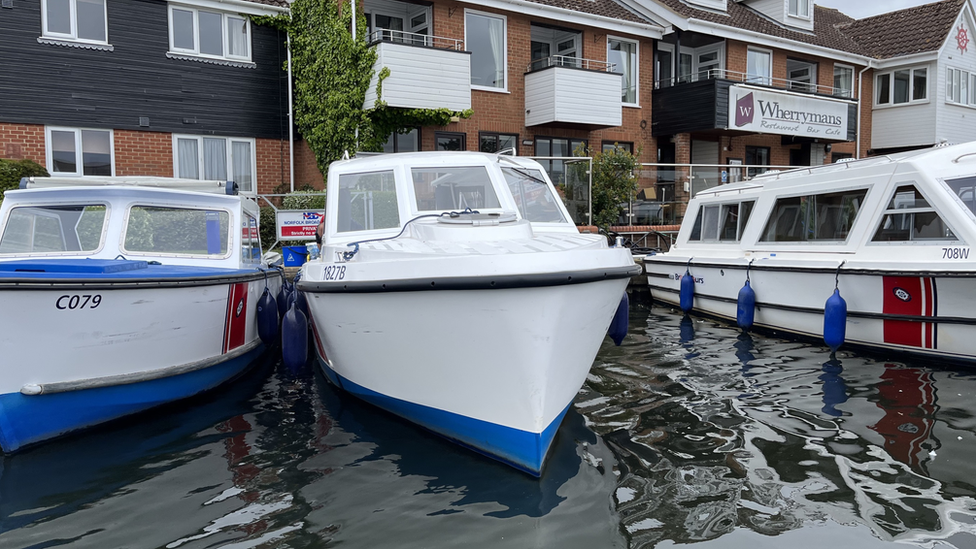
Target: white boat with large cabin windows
{"x": 120, "y": 294}
{"x": 893, "y": 235}
{"x": 454, "y": 291}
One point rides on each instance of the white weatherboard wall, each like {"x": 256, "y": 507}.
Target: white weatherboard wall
{"x": 956, "y": 123}
{"x": 421, "y": 78}
{"x": 910, "y": 124}
{"x": 561, "y": 94}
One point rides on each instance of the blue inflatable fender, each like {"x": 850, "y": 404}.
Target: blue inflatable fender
{"x": 745, "y": 307}
{"x": 267, "y": 313}
{"x": 294, "y": 339}
{"x": 835, "y": 321}
{"x": 621, "y": 319}
{"x": 282, "y": 299}
{"x": 301, "y": 302}
{"x": 687, "y": 292}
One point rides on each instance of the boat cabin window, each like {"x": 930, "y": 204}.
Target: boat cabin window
{"x": 818, "y": 217}
{"x": 180, "y": 231}
{"x": 367, "y": 201}
{"x": 965, "y": 189}
{"x": 910, "y": 217}
{"x": 250, "y": 240}
{"x": 533, "y": 196}
{"x": 722, "y": 222}
{"x": 42, "y": 229}
{"x": 443, "y": 189}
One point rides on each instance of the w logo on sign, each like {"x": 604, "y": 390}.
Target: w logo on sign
{"x": 745, "y": 110}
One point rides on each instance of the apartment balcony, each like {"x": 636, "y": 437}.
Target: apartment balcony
{"x": 426, "y": 72}
{"x": 570, "y": 90}
{"x": 727, "y": 101}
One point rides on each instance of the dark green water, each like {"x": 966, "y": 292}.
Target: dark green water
{"x": 690, "y": 433}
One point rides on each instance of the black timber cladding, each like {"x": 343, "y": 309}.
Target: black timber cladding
{"x": 704, "y": 106}
{"x": 76, "y": 87}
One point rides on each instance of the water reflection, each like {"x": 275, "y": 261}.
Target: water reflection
{"x": 771, "y": 436}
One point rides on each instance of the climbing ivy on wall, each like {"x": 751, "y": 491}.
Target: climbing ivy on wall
{"x": 332, "y": 72}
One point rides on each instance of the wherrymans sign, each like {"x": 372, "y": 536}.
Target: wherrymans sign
{"x": 786, "y": 114}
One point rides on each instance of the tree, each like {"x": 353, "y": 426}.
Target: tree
{"x": 615, "y": 174}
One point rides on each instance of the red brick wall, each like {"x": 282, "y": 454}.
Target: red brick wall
{"x": 306, "y": 168}
{"x": 19, "y": 141}
{"x": 143, "y": 153}
{"x": 273, "y": 164}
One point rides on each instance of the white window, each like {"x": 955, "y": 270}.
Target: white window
{"x": 623, "y": 54}
{"x": 800, "y": 8}
{"x": 759, "y": 66}
{"x": 960, "y": 87}
{"x": 843, "y": 81}
{"x": 209, "y": 33}
{"x": 902, "y": 86}
{"x": 215, "y": 158}
{"x": 801, "y": 75}
{"x": 84, "y": 20}
{"x": 485, "y": 38}
{"x": 74, "y": 151}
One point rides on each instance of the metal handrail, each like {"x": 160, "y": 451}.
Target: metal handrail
{"x": 779, "y": 83}
{"x": 571, "y": 62}
{"x": 415, "y": 39}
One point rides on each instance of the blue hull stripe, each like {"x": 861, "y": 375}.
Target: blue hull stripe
{"x": 523, "y": 450}
{"x": 26, "y": 420}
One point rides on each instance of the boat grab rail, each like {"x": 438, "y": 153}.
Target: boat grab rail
{"x": 348, "y": 255}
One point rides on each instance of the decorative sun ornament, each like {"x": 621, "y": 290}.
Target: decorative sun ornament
{"x": 962, "y": 38}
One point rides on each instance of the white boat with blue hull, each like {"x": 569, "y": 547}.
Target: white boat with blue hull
{"x": 891, "y": 236}
{"x": 454, "y": 291}
{"x": 120, "y": 295}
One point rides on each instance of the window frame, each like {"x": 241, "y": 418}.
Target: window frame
{"x": 849, "y": 93}
{"x": 802, "y": 86}
{"x": 929, "y": 208}
{"x": 797, "y": 14}
{"x": 890, "y": 75}
{"x": 224, "y": 34}
{"x": 231, "y": 225}
{"x": 774, "y": 212}
{"x": 102, "y": 238}
{"x": 497, "y": 136}
{"x": 766, "y": 80}
{"x": 970, "y": 99}
{"x": 504, "y": 63}
{"x": 698, "y": 229}
{"x": 449, "y": 135}
{"x": 72, "y": 36}
{"x": 201, "y": 167}
{"x": 79, "y": 151}
{"x": 395, "y": 137}
{"x": 752, "y": 171}
{"x": 636, "y": 75}
{"x": 627, "y": 146}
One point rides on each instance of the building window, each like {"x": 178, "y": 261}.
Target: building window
{"x": 209, "y": 33}
{"x": 755, "y": 157}
{"x": 837, "y": 157}
{"x": 759, "y": 66}
{"x": 800, "y": 8}
{"x": 494, "y": 142}
{"x": 621, "y": 145}
{"x": 216, "y": 159}
{"x": 554, "y": 47}
{"x": 802, "y": 75}
{"x": 450, "y": 141}
{"x": 561, "y": 147}
{"x": 960, "y": 87}
{"x": 75, "y": 20}
{"x": 403, "y": 142}
{"x": 902, "y": 86}
{"x": 484, "y": 37}
{"x": 843, "y": 81}
{"x": 72, "y": 151}
{"x": 623, "y": 54}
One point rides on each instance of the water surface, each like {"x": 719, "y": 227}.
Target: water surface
{"x": 690, "y": 433}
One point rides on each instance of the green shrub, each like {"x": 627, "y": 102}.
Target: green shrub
{"x": 12, "y": 170}
{"x": 267, "y": 224}
{"x": 303, "y": 199}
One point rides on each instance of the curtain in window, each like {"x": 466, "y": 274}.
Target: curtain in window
{"x": 237, "y": 39}
{"x": 215, "y": 159}
{"x": 758, "y": 67}
{"x": 96, "y": 152}
{"x": 187, "y": 159}
{"x": 623, "y": 56}
{"x": 241, "y": 156}
{"x": 496, "y": 34}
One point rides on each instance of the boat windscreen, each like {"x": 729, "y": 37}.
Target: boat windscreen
{"x": 181, "y": 231}
{"x": 45, "y": 229}
{"x": 535, "y": 201}
{"x": 965, "y": 189}
{"x": 453, "y": 188}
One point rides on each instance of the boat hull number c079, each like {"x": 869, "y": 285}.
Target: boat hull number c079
{"x": 73, "y": 302}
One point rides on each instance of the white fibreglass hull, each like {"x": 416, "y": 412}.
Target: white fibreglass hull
{"x": 514, "y": 358}
{"x": 925, "y": 313}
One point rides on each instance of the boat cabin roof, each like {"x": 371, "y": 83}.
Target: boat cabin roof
{"x": 912, "y": 199}
{"x": 104, "y": 219}
{"x": 376, "y": 196}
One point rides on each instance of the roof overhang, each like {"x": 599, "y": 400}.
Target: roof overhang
{"x": 239, "y": 6}
{"x": 900, "y": 61}
{"x": 533, "y": 9}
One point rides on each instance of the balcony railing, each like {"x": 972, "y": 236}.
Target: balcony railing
{"x": 571, "y": 62}
{"x": 414, "y": 39}
{"x": 780, "y": 83}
